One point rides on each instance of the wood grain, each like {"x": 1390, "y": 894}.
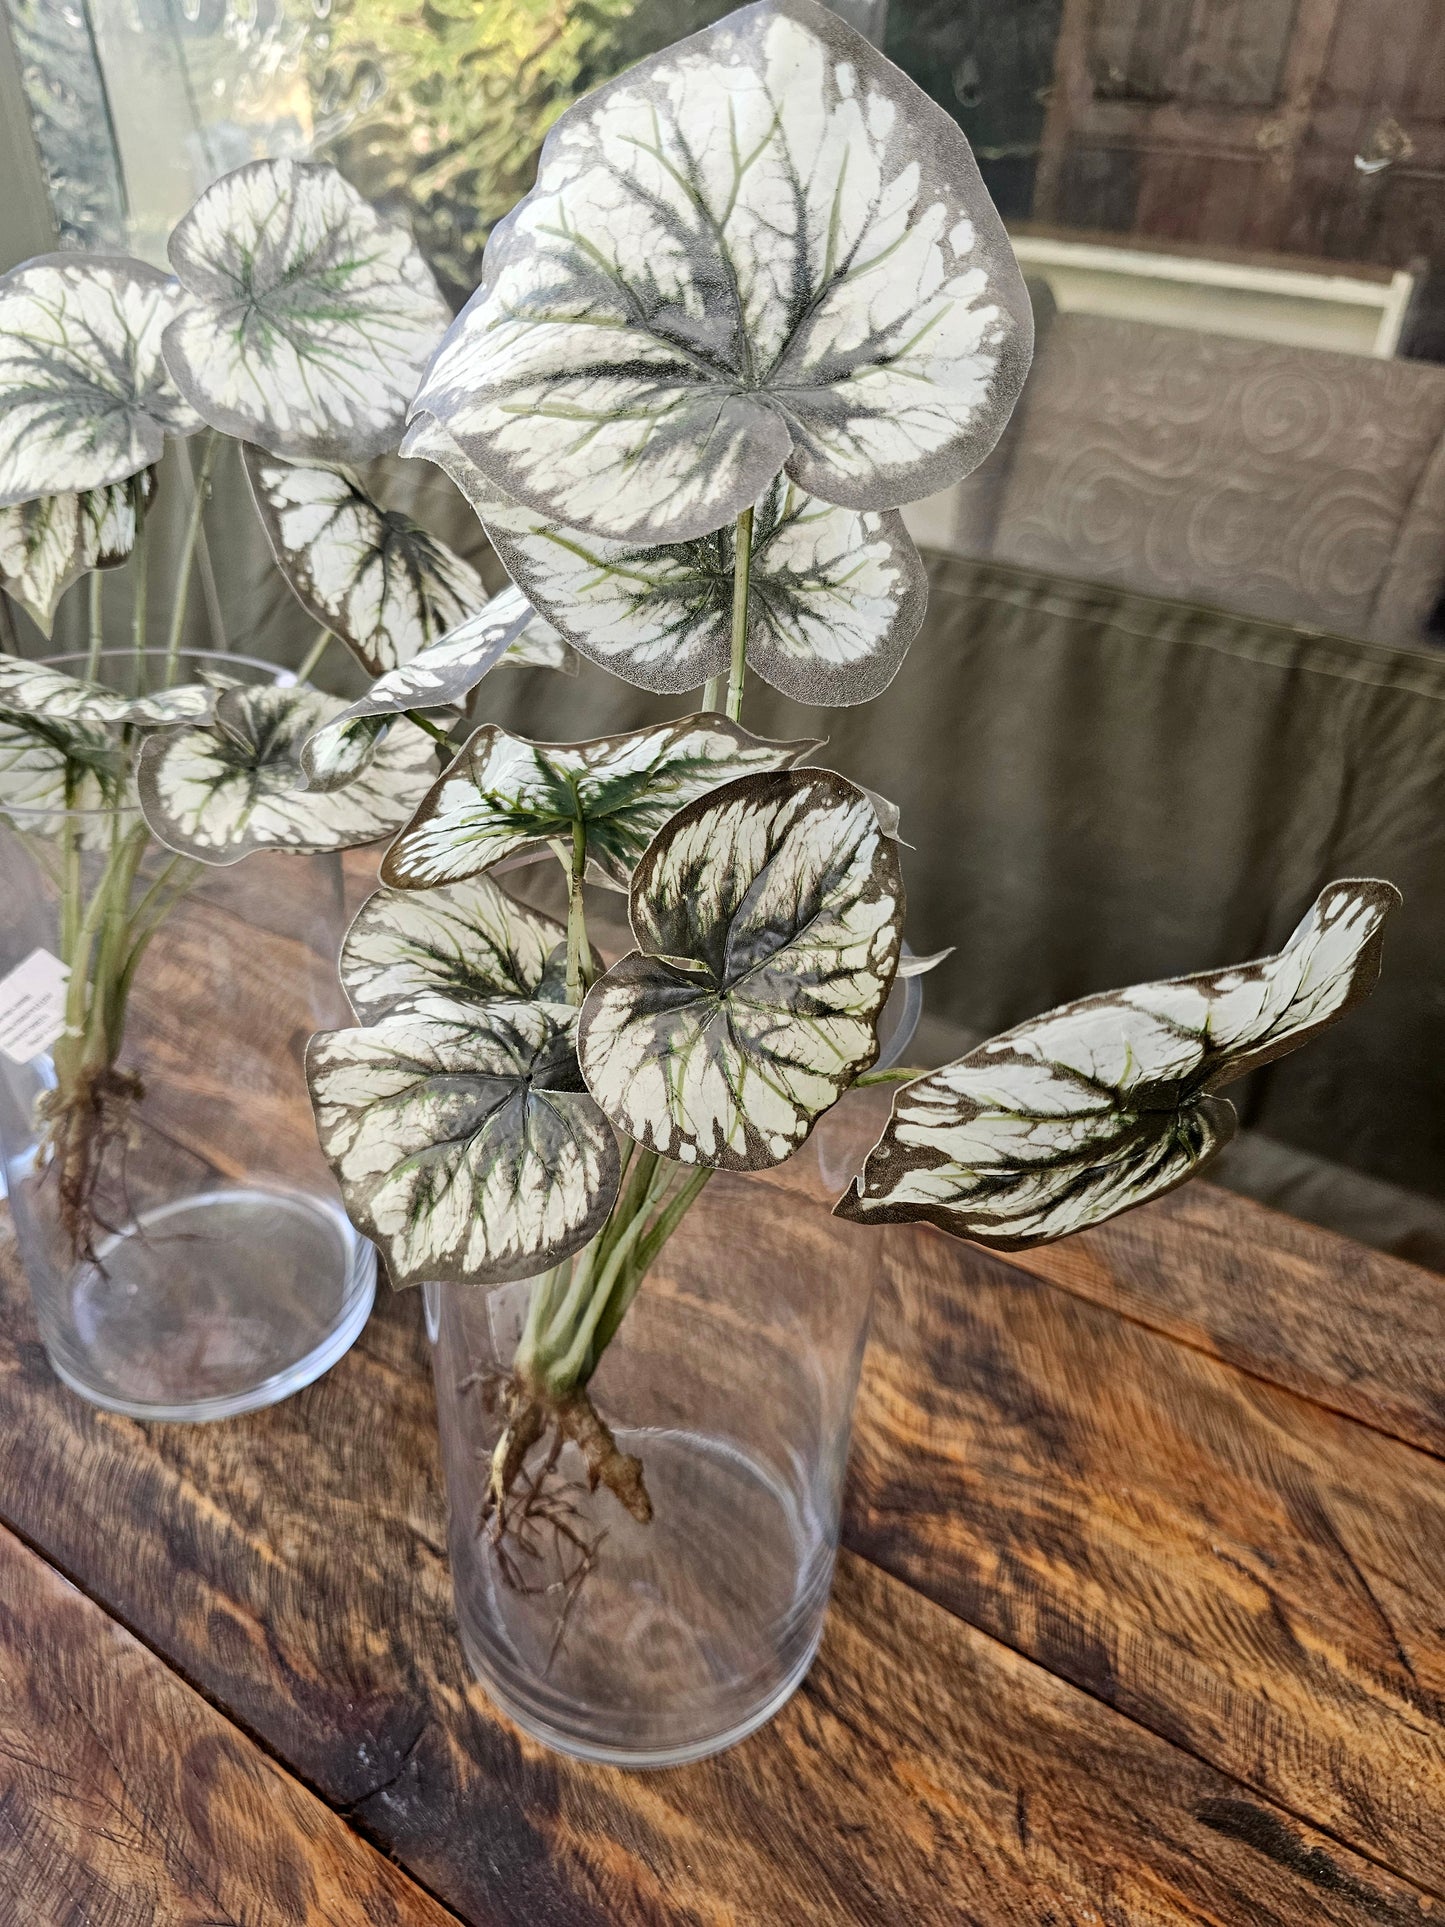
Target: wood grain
{"x": 1348, "y": 1327}
{"x": 1256, "y": 1578}
{"x": 291, "y": 1564}
{"x": 126, "y": 1801}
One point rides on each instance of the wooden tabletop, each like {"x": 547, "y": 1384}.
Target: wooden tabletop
{"x": 1141, "y": 1618}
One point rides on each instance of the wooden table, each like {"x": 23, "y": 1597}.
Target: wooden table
{"x": 1141, "y": 1618}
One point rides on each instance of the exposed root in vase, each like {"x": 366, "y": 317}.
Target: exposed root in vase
{"x": 82, "y": 1124}
{"x": 530, "y": 1417}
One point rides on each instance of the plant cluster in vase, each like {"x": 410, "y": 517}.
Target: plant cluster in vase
{"x": 757, "y": 300}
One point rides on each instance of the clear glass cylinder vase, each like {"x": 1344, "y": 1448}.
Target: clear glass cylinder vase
{"x": 732, "y": 1379}
{"x": 212, "y": 1269}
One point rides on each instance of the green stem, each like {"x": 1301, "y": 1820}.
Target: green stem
{"x": 712, "y": 693}
{"x": 579, "y": 952}
{"x": 138, "y": 559}
{"x": 313, "y": 655}
{"x": 903, "y": 1074}
{"x": 200, "y": 488}
{"x": 569, "y": 1369}
{"x": 742, "y": 572}
{"x": 643, "y": 1258}
{"x": 93, "y": 590}
{"x": 426, "y": 723}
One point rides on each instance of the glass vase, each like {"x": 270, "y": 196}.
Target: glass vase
{"x": 212, "y": 1269}
{"x": 732, "y": 1379}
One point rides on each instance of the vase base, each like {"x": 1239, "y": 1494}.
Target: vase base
{"x": 216, "y": 1304}
{"x": 642, "y": 1759}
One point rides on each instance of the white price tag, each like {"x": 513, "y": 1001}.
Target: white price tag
{"x": 32, "y": 1006}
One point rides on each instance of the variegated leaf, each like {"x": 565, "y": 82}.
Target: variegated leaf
{"x": 835, "y": 595}
{"x": 309, "y": 319}
{"x": 369, "y": 574}
{"x": 504, "y": 794}
{"x": 1069, "y": 1118}
{"x": 763, "y": 247}
{"x": 444, "y": 673}
{"x": 463, "y": 1138}
{"x": 29, "y": 688}
{"x": 48, "y": 766}
{"x": 470, "y": 942}
{"x": 46, "y": 544}
{"x": 769, "y": 915}
{"x": 236, "y": 785}
{"x": 85, "y": 400}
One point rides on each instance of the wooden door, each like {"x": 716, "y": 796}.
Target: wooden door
{"x": 1312, "y": 127}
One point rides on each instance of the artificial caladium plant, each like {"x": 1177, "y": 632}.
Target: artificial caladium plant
{"x": 299, "y": 321}
{"x": 757, "y": 300}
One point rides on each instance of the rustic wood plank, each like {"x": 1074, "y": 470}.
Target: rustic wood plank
{"x": 1303, "y": 1307}
{"x": 292, "y": 1565}
{"x": 126, "y": 1801}
{"x": 1254, "y": 1577}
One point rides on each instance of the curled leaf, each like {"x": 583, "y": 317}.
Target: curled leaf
{"x": 36, "y": 689}
{"x": 769, "y": 918}
{"x": 463, "y": 1138}
{"x": 236, "y": 785}
{"x": 1100, "y": 1105}
{"x": 85, "y": 399}
{"x": 369, "y": 574}
{"x": 504, "y": 794}
{"x": 761, "y": 248}
{"x": 835, "y": 595}
{"x": 45, "y": 544}
{"x": 309, "y": 318}
{"x": 469, "y": 942}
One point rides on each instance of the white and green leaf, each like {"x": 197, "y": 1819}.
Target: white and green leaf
{"x": 37, "y": 689}
{"x": 835, "y": 595}
{"x": 370, "y": 575}
{"x": 463, "y": 1138}
{"x": 762, "y": 248}
{"x": 309, "y": 317}
{"x": 85, "y": 399}
{"x": 469, "y": 942}
{"x": 48, "y": 543}
{"x": 769, "y": 918}
{"x": 47, "y": 768}
{"x": 504, "y": 794}
{"x": 1100, "y": 1105}
{"x": 237, "y": 784}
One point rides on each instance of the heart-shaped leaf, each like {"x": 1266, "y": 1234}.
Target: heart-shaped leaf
{"x": 1074, "y": 1116}
{"x": 504, "y": 794}
{"x": 85, "y": 399}
{"x": 29, "y": 688}
{"x": 236, "y": 785}
{"x": 309, "y": 317}
{"x": 47, "y": 543}
{"x": 470, "y": 942}
{"x": 835, "y": 595}
{"x": 769, "y": 915}
{"x": 761, "y": 248}
{"x": 369, "y": 574}
{"x": 463, "y": 1138}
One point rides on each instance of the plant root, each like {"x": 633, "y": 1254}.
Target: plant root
{"x": 532, "y": 1416}
{"x": 82, "y": 1122}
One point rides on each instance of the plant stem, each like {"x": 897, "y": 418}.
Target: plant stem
{"x": 313, "y": 655}
{"x": 426, "y": 723}
{"x": 579, "y": 951}
{"x": 742, "y": 572}
{"x": 902, "y": 1074}
{"x": 656, "y": 1236}
{"x": 200, "y": 487}
{"x": 712, "y": 693}
{"x": 93, "y": 590}
{"x": 138, "y": 588}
